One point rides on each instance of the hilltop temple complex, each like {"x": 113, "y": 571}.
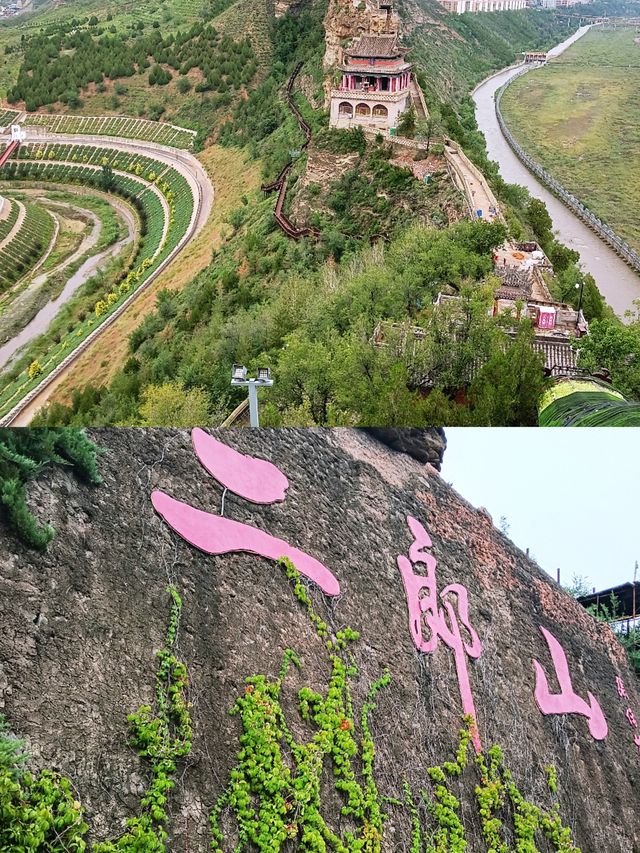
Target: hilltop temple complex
{"x": 375, "y": 88}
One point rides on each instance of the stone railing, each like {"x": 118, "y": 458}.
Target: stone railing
{"x": 603, "y": 231}
{"x": 369, "y": 95}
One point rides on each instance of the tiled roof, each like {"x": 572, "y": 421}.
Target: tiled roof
{"x": 560, "y": 359}
{"x": 516, "y": 283}
{"x": 376, "y": 46}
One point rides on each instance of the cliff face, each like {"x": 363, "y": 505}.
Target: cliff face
{"x": 81, "y": 623}
{"x": 346, "y": 19}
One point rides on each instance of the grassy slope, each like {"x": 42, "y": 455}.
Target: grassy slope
{"x": 580, "y": 117}
{"x": 244, "y": 17}
{"x": 172, "y": 15}
{"x": 457, "y": 51}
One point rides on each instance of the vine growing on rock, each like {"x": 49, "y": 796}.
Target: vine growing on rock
{"x": 274, "y": 792}
{"x": 38, "y": 812}
{"x": 497, "y": 799}
{"x": 162, "y": 735}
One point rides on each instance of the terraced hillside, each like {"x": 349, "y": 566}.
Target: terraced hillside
{"x": 123, "y": 127}
{"x": 181, "y": 68}
{"x": 170, "y": 207}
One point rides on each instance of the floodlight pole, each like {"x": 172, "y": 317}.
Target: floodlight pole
{"x": 264, "y": 381}
{"x": 254, "y": 420}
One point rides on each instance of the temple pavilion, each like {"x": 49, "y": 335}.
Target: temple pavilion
{"x": 376, "y": 84}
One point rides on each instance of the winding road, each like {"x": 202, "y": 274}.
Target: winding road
{"x": 619, "y": 284}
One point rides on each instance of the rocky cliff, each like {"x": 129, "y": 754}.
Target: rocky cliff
{"x": 323, "y": 750}
{"x": 346, "y": 19}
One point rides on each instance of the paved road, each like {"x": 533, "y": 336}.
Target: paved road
{"x": 474, "y": 184}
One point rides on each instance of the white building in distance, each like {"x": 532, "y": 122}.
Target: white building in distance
{"x": 461, "y": 6}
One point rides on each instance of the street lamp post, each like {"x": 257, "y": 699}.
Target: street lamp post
{"x": 263, "y": 380}
{"x": 581, "y": 286}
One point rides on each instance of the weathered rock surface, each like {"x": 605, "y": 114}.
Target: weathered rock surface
{"x": 81, "y": 623}
{"x": 346, "y": 19}
{"x": 424, "y": 445}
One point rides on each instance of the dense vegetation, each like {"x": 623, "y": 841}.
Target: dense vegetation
{"x": 23, "y": 455}
{"x": 58, "y": 66}
{"x": 317, "y": 334}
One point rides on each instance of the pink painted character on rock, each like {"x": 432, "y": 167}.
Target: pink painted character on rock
{"x": 443, "y": 622}
{"x": 566, "y": 701}
{"x": 258, "y": 481}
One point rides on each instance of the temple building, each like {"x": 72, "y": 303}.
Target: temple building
{"x": 377, "y": 84}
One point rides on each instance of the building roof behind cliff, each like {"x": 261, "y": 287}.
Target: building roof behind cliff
{"x": 376, "y": 47}
{"x": 626, "y": 597}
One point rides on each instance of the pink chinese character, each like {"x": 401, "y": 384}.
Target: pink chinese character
{"x": 622, "y": 693}
{"x": 443, "y": 622}
{"x": 254, "y": 479}
{"x": 631, "y": 717}
{"x": 636, "y": 740}
{"x": 567, "y": 701}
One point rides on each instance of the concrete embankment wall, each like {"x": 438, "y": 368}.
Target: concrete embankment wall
{"x": 600, "y": 228}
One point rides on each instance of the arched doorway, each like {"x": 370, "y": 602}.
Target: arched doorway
{"x": 345, "y": 109}
{"x": 363, "y": 110}
{"x": 380, "y": 111}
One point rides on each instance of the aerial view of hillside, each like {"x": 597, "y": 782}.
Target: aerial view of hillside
{"x": 301, "y": 188}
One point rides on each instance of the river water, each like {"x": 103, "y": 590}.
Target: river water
{"x": 42, "y": 320}
{"x": 619, "y": 284}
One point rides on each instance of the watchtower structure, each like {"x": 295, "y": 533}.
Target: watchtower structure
{"x": 375, "y": 86}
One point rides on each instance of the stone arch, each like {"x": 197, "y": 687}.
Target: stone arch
{"x": 345, "y": 108}
{"x": 363, "y": 110}
{"x": 380, "y": 111}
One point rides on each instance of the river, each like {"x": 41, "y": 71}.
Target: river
{"x": 42, "y": 320}
{"x": 617, "y": 282}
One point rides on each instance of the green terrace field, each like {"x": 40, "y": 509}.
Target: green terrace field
{"x": 7, "y": 117}
{"x": 579, "y": 116}
{"x": 143, "y": 181}
{"x": 121, "y": 126}
{"x": 10, "y": 211}
{"x": 27, "y": 245}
